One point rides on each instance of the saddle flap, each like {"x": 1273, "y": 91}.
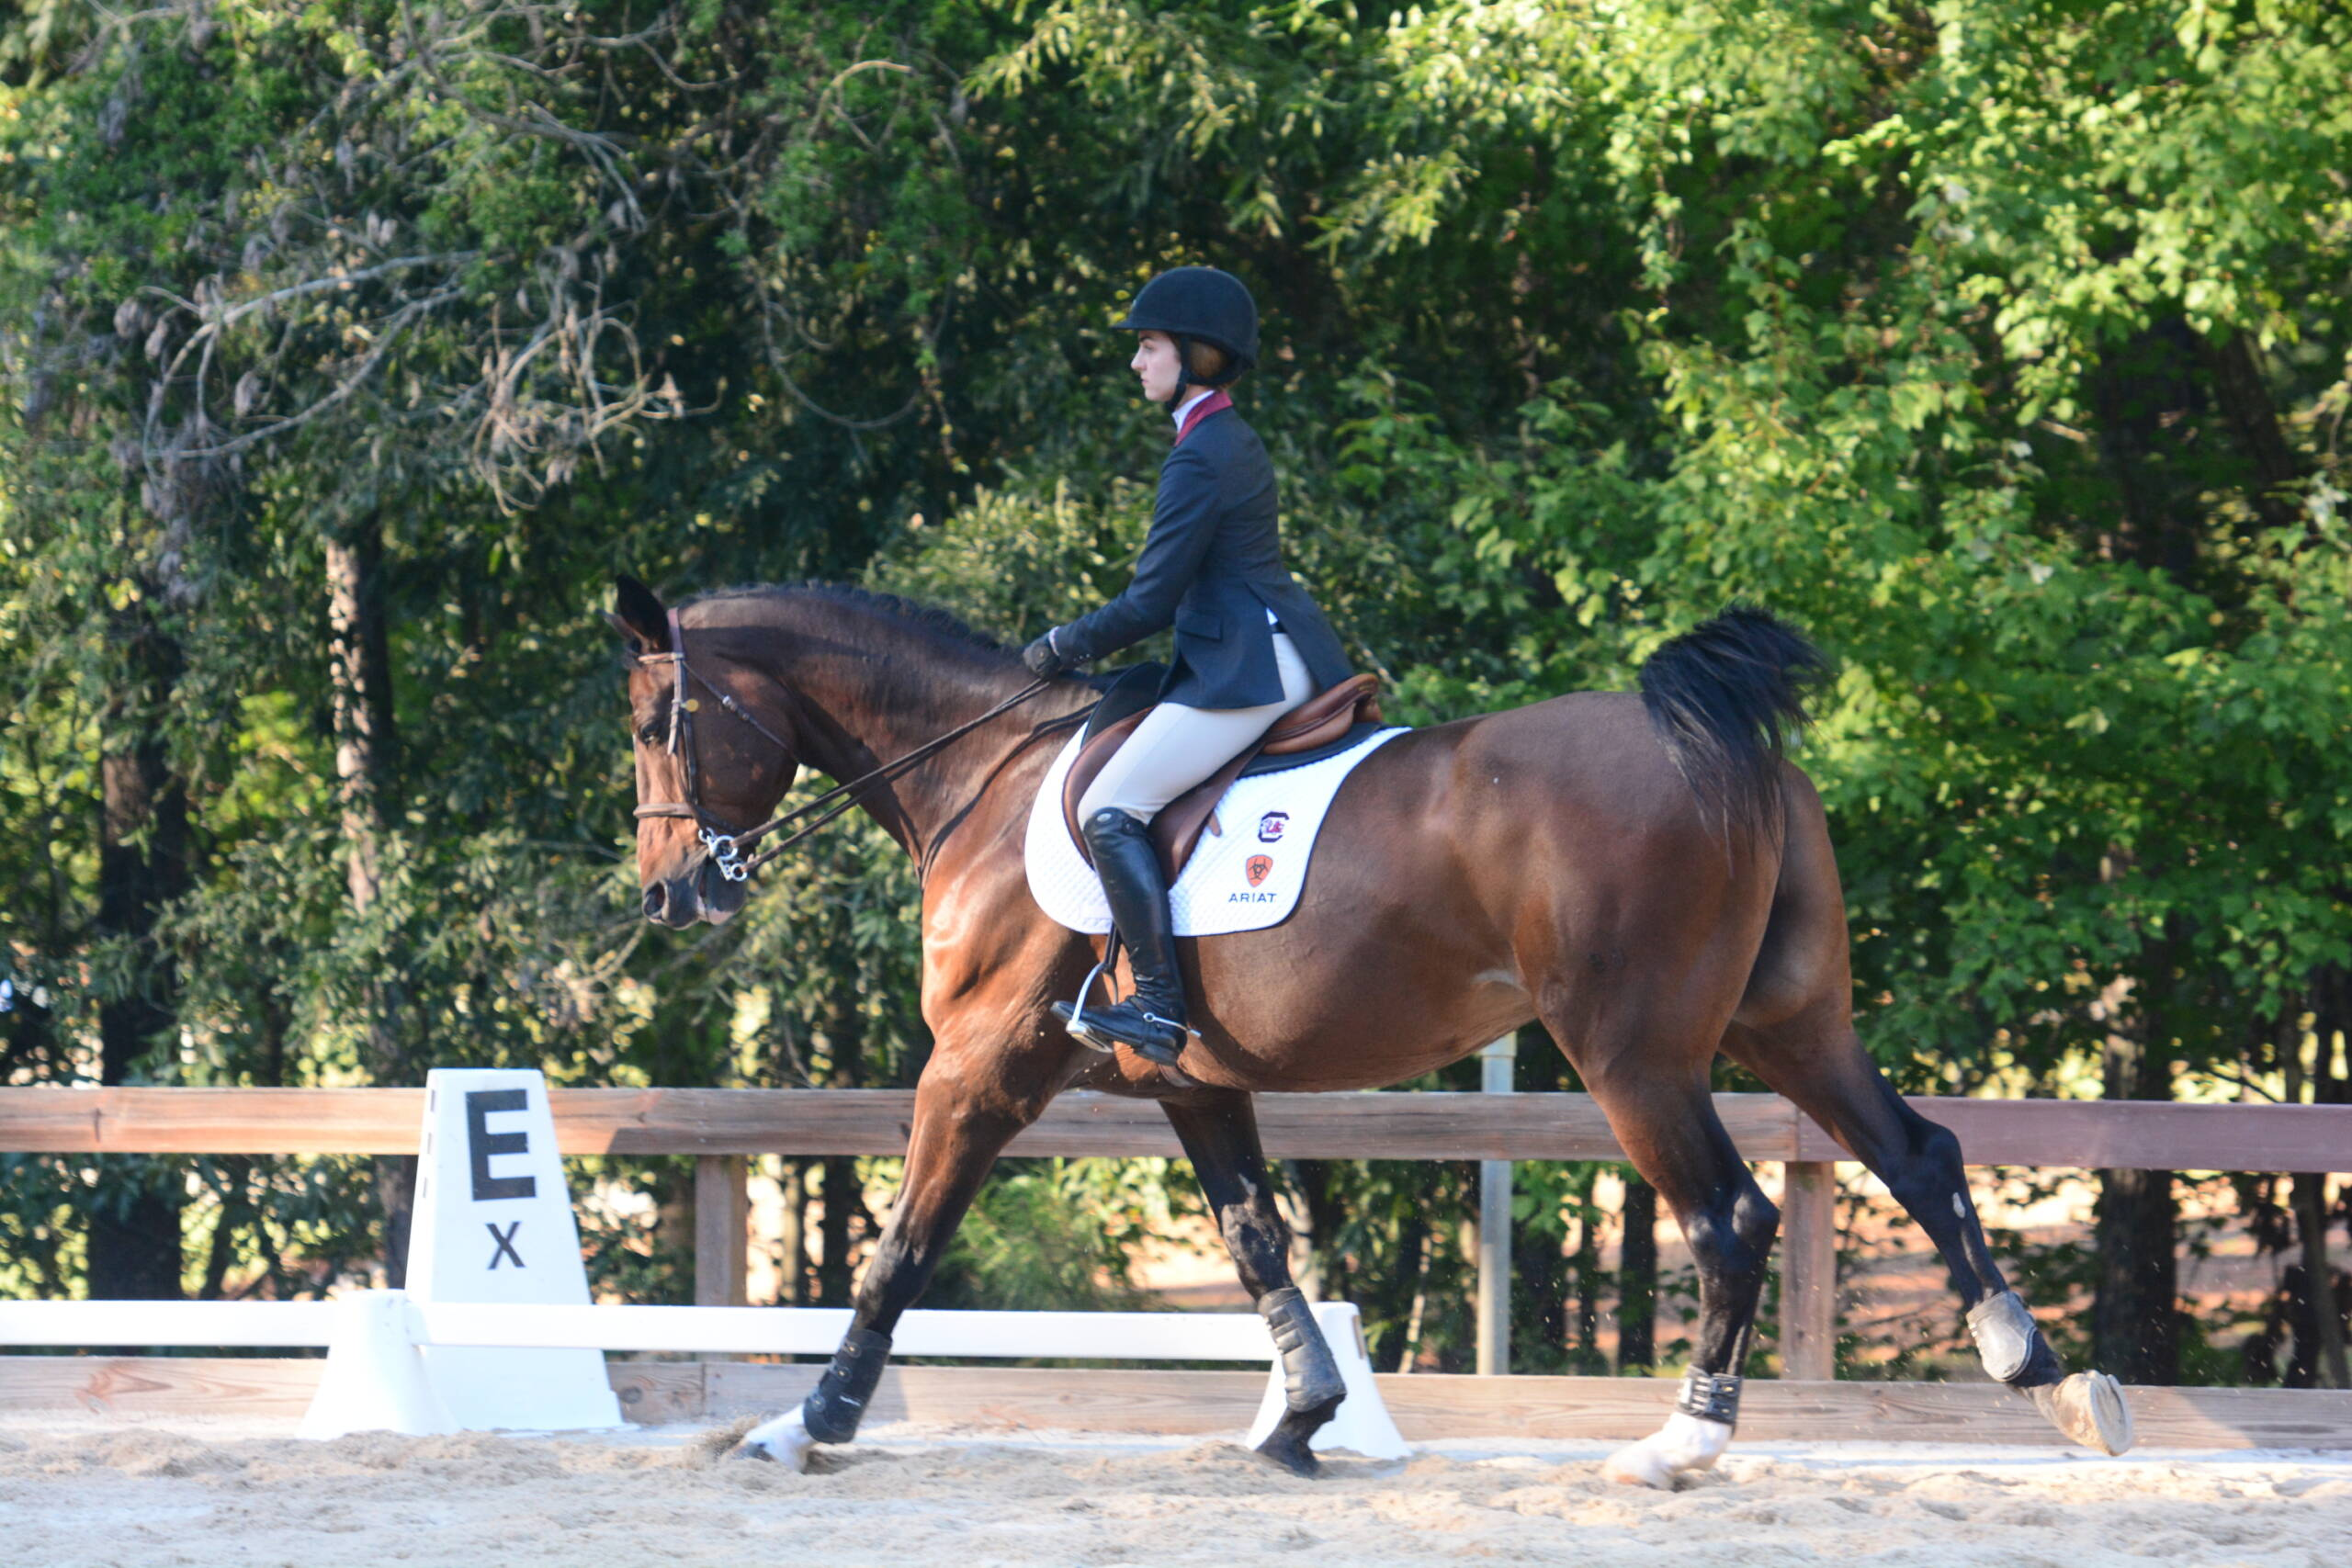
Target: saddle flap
{"x": 1177, "y": 828}
{"x": 1321, "y": 721}
{"x": 1089, "y": 763}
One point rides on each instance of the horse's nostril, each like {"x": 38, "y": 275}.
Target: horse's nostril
{"x": 655, "y": 899}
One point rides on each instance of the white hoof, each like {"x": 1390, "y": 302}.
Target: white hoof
{"x": 1685, "y": 1442}
{"x": 785, "y": 1439}
{"x": 2088, "y": 1407}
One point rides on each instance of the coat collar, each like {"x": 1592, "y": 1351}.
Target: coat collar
{"x": 1200, "y": 410}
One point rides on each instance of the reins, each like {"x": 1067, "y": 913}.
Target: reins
{"x": 726, "y": 847}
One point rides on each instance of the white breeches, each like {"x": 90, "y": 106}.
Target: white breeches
{"x": 1176, "y": 747}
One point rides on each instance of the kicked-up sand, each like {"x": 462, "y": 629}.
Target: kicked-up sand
{"x": 77, "y": 1494}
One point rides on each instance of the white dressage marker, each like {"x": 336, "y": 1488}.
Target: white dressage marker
{"x": 375, "y": 1379}
{"x": 494, "y": 1224}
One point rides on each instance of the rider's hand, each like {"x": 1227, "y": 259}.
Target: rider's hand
{"x": 1046, "y": 661}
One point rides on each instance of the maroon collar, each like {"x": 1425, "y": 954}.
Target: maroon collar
{"x": 1200, "y": 411}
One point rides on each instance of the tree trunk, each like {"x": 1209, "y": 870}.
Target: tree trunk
{"x": 1586, "y": 1357}
{"x": 792, "y": 1240}
{"x": 2239, "y": 388}
{"x": 1413, "y": 1252}
{"x": 834, "y": 1274}
{"x": 2326, "y": 1326}
{"x": 359, "y": 663}
{"x": 2143, "y": 391}
{"x": 1539, "y": 1294}
{"x": 2319, "y": 1354}
{"x": 2133, "y": 1333}
{"x": 1307, "y": 1209}
{"x": 842, "y": 1047}
{"x": 1637, "y": 1280}
{"x": 134, "y": 1240}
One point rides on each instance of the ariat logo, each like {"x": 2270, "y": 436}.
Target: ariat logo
{"x": 1258, "y": 867}
{"x": 1271, "y": 825}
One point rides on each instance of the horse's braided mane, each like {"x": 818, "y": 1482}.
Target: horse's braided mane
{"x": 909, "y": 610}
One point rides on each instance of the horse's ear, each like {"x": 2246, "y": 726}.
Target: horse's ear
{"x": 638, "y": 614}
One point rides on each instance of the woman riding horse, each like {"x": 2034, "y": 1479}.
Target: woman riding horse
{"x": 1251, "y": 645}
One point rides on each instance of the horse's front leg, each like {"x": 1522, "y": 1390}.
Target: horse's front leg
{"x": 966, "y": 1112}
{"x": 1219, "y": 1131}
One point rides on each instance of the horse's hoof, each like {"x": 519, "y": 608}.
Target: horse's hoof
{"x": 1685, "y": 1442}
{"x": 2090, "y": 1408}
{"x": 1639, "y": 1464}
{"x": 785, "y": 1440}
{"x": 1290, "y": 1450}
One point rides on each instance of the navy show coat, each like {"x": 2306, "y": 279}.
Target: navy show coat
{"x": 1211, "y": 566}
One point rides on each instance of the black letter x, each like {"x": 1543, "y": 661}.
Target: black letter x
{"x": 506, "y": 1240}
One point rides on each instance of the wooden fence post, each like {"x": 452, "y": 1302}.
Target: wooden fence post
{"x": 1809, "y": 1270}
{"x": 722, "y": 1218}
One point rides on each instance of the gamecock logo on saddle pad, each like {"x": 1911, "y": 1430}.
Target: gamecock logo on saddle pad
{"x": 1257, "y": 866}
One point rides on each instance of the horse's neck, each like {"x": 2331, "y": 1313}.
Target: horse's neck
{"x": 861, "y": 708}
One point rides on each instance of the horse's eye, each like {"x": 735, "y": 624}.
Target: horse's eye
{"x": 649, "y": 734}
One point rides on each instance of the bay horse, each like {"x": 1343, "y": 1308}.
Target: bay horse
{"x": 1645, "y": 875}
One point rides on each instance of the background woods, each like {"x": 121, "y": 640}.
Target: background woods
{"x": 351, "y": 347}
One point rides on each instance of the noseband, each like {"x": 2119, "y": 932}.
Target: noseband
{"x": 726, "y": 845}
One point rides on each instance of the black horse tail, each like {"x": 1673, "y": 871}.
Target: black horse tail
{"x": 1723, "y": 697}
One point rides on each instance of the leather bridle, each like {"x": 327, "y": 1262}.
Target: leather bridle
{"x": 725, "y": 844}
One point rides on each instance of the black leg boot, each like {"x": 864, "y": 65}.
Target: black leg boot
{"x": 1152, "y": 1021}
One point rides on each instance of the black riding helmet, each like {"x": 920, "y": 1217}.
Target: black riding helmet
{"x": 1202, "y": 302}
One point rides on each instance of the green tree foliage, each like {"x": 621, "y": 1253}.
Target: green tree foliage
{"x": 2001, "y": 344}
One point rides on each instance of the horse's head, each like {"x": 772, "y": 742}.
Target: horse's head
{"x": 715, "y": 753}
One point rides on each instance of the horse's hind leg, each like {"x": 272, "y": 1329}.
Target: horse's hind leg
{"x": 1815, "y": 1059}
{"x": 1670, "y": 1131}
{"x": 962, "y": 1122}
{"x": 1219, "y": 1133}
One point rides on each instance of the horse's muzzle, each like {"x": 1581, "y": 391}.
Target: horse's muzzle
{"x": 672, "y": 904}
{"x": 678, "y": 902}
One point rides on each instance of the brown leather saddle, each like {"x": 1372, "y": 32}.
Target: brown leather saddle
{"x": 1322, "y": 722}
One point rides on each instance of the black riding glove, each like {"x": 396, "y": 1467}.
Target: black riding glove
{"x": 1044, "y": 661}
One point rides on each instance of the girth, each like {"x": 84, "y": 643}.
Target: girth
{"x": 1322, "y": 720}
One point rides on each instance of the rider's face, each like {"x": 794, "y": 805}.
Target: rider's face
{"x": 1155, "y": 362}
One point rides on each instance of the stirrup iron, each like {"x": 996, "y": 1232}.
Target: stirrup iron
{"x": 1073, "y": 1014}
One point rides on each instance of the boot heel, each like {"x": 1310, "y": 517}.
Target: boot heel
{"x": 1158, "y": 1055}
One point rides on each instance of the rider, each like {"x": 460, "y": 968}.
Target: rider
{"x": 1251, "y": 645}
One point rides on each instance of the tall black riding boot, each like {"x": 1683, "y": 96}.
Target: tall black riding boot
{"x": 1152, "y": 1021}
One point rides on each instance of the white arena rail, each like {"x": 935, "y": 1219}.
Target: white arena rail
{"x": 373, "y": 1378}
{"x": 242, "y": 1324}
{"x": 771, "y": 1331}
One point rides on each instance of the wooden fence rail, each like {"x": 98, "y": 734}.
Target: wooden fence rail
{"x": 2128, "y": 1134}
{"x": 721, "y": 1126}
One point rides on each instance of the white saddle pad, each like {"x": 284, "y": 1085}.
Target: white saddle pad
{"x": 1245, "y": 873}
